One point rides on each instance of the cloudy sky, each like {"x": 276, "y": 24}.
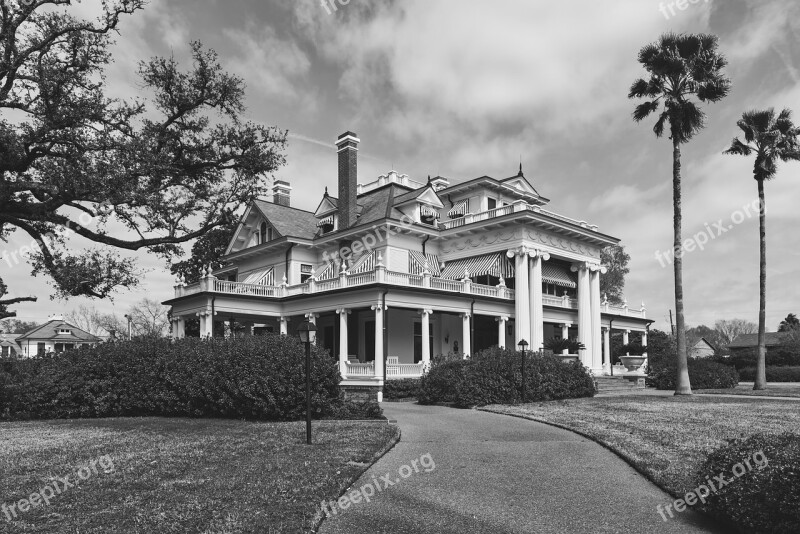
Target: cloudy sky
{"x": 463, "y": 88}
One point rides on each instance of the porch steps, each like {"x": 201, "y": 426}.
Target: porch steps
{"x": 615, "y": 384}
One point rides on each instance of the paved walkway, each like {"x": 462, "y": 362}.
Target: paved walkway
{"x": 499, "y": 474}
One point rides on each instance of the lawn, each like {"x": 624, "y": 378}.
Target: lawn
{"x": 179, "y": 475}
{"x": 773, "y": 390}
{"x": 665, "y": 437}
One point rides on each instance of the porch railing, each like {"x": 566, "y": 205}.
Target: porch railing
{"x": 360, "y": 369}
{"x": 404, "y": 370}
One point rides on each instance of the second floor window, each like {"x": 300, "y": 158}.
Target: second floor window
{"x": 305, "y": 272}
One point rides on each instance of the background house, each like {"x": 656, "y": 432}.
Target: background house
{"x": 9, "y": 346}
{"x": 748, "y": 343}
{"x": 56, "y": 335}
{"x": 702, "y": 349}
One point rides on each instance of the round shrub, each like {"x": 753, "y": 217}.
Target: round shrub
{"x": 494, "y": 376}
{"x": 251, "y": 378}
{"x": 765, "y": 498}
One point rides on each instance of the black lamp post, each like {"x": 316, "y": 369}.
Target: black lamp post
{"x": 308, "y": 334}
{"x": 522, "y": 346}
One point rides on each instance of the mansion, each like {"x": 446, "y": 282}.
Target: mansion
{"x": 394, "y": 272}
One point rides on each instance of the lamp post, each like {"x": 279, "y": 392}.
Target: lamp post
{"x": 522, "y": 346}
{"x": 308, "y": 334}
{"x": 128, "y": 317}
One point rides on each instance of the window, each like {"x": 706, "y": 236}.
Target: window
{"x": 6, "y": 351}
{"x": 492, "y": 204}
{"x": 305, "y": 272}
{"x": 40, "y": 349}
{"x": 65, "y": 331}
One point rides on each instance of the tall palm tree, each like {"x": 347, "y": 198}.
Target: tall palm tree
{"x": 684, "y": 70}
{"x": 770, "y": 138}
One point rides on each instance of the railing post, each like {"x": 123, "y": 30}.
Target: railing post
{"x": 520, "y": 205}
{"x": 312, "y": 285}
{"x": 343, "y": 275}
{"x": 426, "y": 275}
{"x": 467, "y": 282}
{"x": 380, "y": 270}
{"x": 284, "y": 289}
{"x": 501, "y": 288}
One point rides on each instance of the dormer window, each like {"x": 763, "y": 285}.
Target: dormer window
{"x": 64, "y": 331}
{"x": 265, "y": 234}
{"x": 428, "y": 215}
{"x": 326, "y": 224}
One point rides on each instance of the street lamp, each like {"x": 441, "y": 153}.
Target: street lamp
{"x": 522, "y": 346}
{"x": 128, "y": 317}
{"x": 308, "y": 334}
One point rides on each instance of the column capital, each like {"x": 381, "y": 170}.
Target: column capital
{"x": 378, "y": 308}
{"x": 536, "y": 253}
{"x": 312, "y": 316}
{"x": 466, "y": 315}
{"x": 343, "y": 311}
{"x": 502, "y": 319}
{"x": 519, "y": 251}
{"x": 426, "y": 312}
{"x": 566, "y": 325}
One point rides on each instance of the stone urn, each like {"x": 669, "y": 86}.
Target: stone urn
{"x": 632, "y": 363}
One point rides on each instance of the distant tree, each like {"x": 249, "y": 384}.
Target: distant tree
{"x": 683, "y": 69}
{"x": 612, "y": 284}
{"x": 207, "y": 250}
{"x": 165, "y": 168}
{"x": 149, "y": 318}
{"x": 771, "y": 138}
{"x": 15, "y": 326}
{"x": 730, "y": 330}
{"x": 790, "y": 323}
{"x": 89, "y": 319}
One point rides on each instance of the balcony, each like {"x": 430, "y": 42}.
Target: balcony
{"x": 516, "y": 207}
{"x": 382, "y": 276}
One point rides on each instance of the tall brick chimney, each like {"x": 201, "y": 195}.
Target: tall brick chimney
{"x": 347, "y": 146}
{"x": 281, "y": 193}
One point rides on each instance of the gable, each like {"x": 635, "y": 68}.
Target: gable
{"x": 521, "y": 185}
{"x": 327, "y": 206}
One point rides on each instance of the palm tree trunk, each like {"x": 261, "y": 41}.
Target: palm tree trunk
{"x": 761, "y": 365}
{"x": 682, "y": 384}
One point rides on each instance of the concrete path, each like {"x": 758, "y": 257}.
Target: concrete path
{"x": 499, "y": 474}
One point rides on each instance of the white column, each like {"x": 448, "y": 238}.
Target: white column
{"x": 343, "y": 342}
{"x": 597, "y": 339}
{"x": 584, "y": 313}
{"x": 537, "y": 306}
{"x": 284, "y": 325}
{"x": 502, "y": 321}
{"x": 522, "y": 296}
{"x": 180, "y": 323}
{"x": 466, "y": 336}
{"x": 379, "y": 356}
{"x": 626, "y": 337}
{"x": 607, "y": 350}
{"x": 565, "y": 334}
{"x": 426, "y": 336}
{"x": 174, "y": 334}
{"x": 644, "y": 342}
{"x": 206, "y": 323}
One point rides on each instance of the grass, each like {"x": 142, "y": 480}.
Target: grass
{"x": 773, "y": 390}
{"x": 179, "y": 475}
{"x": 667, "y": 438}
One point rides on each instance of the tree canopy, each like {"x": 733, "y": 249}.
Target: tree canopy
{"x": 612, "y": 284}
{"x": 150, "y": 173}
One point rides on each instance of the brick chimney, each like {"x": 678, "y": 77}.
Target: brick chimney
{"x": 347, "y": 146}
{"x": 281, "y": 193}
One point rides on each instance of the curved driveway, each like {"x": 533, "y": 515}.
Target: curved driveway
{"x": 499, "y": 474}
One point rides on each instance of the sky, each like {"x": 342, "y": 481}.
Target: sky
{"x": 465, "y": 88}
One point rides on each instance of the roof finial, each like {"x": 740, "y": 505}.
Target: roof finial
{"x": 429, "y": 178}
{"x": 326, "y": 190}
{"x": 520, "y": 166}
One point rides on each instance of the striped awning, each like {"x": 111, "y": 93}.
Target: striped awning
{"x": 326, "y": 272}
{"x": 428, "y": 211}
{"x": 364, "y": 264}
{"x": 263, "y": 277}
{"x": 557, "y": 275}
{"x": 496, "y": 265}
{"x": 459, "y": 209}
{"x": 327, "y": 221}
{"x": 416, "y": 263}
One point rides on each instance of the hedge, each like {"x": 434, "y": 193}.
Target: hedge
{"x": 763, "y": 495}
{"x": 494, "y": 376}
{"x": 703, "y": 374}
{"x": 261, "y": 378}
{"x": 774, "y": 374}
{"x": 408, "y": 388}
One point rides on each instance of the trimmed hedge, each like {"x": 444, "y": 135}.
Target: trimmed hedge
{"x": 774, "y": 374}
{"x": 765, "y": 496}
{"x": 260, "y": 378}
{"x": 494, "y": 376}
{"x": 776, "y": 357}
{"x": 703, "y": 374}
{"x": 408, "y": 388}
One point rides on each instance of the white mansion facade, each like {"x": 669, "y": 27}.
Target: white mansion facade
{"x": 394, "y": 272}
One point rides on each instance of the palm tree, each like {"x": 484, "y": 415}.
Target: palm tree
{"x": 683, "y": 70}
{"x": 770, "y": 138}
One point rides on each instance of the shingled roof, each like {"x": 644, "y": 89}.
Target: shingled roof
{"x": 288, "y": 221}
{"x": 773, "y": 339}
{"x": 49, "y": 332}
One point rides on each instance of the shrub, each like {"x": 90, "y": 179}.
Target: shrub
{"x": 558, "y": 345}
{"x": 252, "y": 378}
{"x": 774, "y": 374}
{"x": 408, "y": 388}
{"x": 703, "y": 373}
{"x": 494, "y": 376}
{"x": 764, "y": 499}
{"x": 777, "y": 357}
{"x": 632, "y": 349}
{"x": 441, "y": 383}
